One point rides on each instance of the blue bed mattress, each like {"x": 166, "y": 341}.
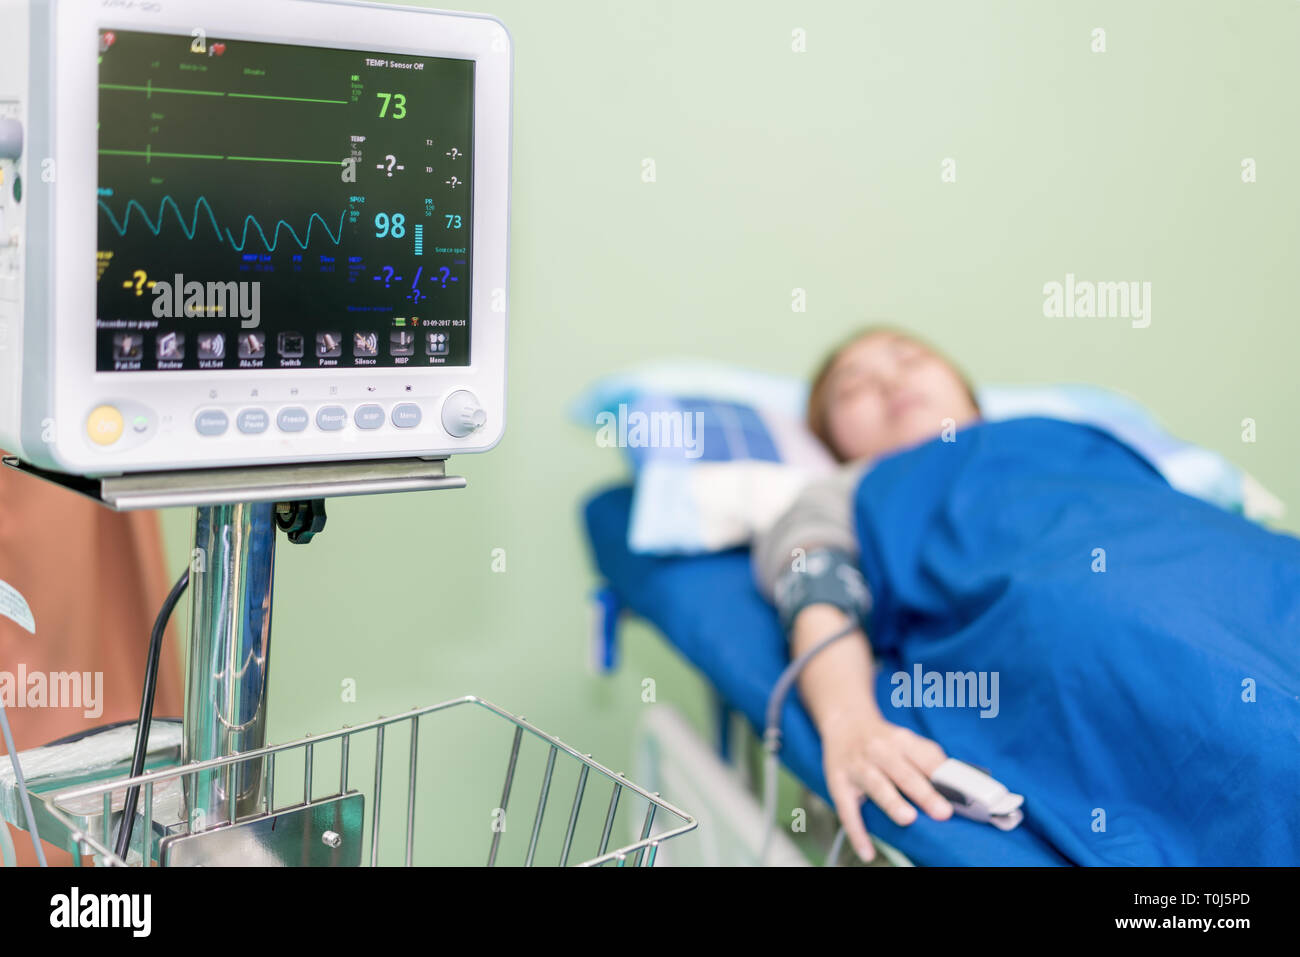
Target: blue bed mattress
{"x": 709, "y": 610}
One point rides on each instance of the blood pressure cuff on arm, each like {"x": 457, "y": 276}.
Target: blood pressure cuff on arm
{"x": 826, "y": 576}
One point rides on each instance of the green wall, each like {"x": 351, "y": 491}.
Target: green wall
{"x": 818, "y": 170}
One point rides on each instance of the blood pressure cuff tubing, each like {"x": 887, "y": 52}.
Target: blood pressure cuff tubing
{"x": 826, "y": 576}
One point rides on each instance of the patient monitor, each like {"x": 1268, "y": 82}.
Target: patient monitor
{"x": 253, "y": 256}
{"x": 250, "y": 232}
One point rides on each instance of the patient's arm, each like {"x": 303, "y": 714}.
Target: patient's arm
{"x": 863, "y": 755}
{"x": 822, "y": 515}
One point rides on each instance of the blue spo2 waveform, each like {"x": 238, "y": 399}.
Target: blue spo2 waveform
{"x": 279, "y": 206}
{"x": 155, "y": 224}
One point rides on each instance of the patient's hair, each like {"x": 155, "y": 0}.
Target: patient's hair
{"x": 818, "y": 399}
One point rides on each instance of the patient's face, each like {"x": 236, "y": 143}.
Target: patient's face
{"x": 886, "y": 392}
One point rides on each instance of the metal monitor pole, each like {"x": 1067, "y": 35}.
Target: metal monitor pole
{"x": 232, "y": 570}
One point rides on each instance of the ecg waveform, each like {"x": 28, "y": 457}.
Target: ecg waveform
{"x": 155, "y": 225}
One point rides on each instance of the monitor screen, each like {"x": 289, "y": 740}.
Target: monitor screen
{"x": 271, "y": 206}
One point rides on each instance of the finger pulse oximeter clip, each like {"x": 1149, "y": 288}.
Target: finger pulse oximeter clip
{"x": 976, "y": 794}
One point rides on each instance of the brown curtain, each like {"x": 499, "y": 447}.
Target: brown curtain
{"x": 95, "y": 580}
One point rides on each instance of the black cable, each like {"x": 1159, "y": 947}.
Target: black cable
{"x": 146, "y": 715}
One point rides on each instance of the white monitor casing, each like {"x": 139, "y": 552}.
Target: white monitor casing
{"x": 49, "y": 385}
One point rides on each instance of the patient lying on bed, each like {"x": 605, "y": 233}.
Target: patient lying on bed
{"x": 1149, "y": 711}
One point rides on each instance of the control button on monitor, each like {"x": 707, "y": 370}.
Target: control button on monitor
{"x": 104, "y": 426}
{"x": 292, "y": 419}
{"x": 291, "y": 345}
{"x": 252, "y": 345}
{"x": 407, "y": 415}
{"x": 369, "y": 417}
{"x": 329, "y": 345}
{"x": 462, "y": 415}
{"x": 128, "y": 347}
{"x": 171, "y": 347}
{"x": 435, "y": 343}
{"x": 212, "y": 345}
{"x": 365, "y": 344}
{"x": 253, "y": 421}
{"x": 211, "y": 422}
{"x": 331, "y": 418}
{"x": 401, "y": 342}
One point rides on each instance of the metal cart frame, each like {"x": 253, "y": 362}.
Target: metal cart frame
{"x": 218, "y": 805}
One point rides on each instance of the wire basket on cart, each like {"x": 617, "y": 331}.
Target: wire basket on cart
{"x": 336, "y": 800}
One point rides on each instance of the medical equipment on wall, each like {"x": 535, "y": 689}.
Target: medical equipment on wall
{"x": 254, "y": 255}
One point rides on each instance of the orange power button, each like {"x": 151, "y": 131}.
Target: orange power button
{"x": 104, "y": 425}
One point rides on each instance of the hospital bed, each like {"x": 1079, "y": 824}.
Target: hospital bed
{"x": 708, "y": 609}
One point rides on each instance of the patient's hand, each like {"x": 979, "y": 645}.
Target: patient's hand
{"x": 867, "y": 757}
{"x": 863, "y": 755}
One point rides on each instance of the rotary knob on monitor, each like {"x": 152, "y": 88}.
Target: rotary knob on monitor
{"x": 462, "y": 415}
